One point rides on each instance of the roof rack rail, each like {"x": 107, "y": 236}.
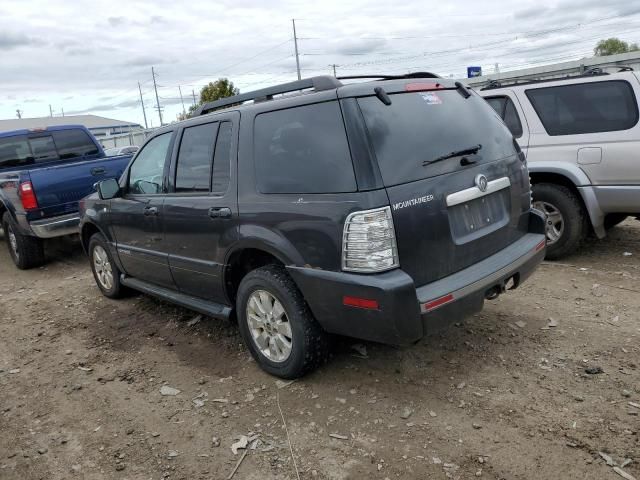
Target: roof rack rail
{"x": 591, "y": 72}
{"x": 391, "y": 77}
{"x": 319, "y": 83}
{"x": 626, "y": 68}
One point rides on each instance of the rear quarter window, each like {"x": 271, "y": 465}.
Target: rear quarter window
{"x": 15, "y": 152}
{"x": 303, "y": 150}
{"x": 73, "y": 143}
{"x": 586, "y": 107}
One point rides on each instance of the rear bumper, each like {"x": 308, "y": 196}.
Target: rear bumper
{"x": 55, "y": 226}
{"x": 406, "y": 313}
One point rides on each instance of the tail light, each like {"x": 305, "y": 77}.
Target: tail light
{"x": 369, "y": 242}
{"x": 28, "y": 196}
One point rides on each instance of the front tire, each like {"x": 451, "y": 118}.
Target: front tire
{"x": 105, "y": 271}
{"x": 566, "y": 223}
{"x": 277, "y": 325}
{"x": 25, "y": 251}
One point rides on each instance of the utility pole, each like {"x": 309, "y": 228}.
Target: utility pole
{"x": 50, "y": 111}
{"x": 144, "y": 113}
{"x": 62, "y": 108}
{"x": 194, "y": 96}
{"x": 497, "y": 68}
{"x": 295, "y": 43}
{"x": 19, "y": 113}
{"x": 334, "y": 70}
{"x": 155, "y": 87}
{"x": 184, "y": 112}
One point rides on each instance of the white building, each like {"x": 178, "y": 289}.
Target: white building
{"x": 101, "y": 127}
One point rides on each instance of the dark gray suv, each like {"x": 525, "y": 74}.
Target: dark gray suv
{"x": 377, "y": 210}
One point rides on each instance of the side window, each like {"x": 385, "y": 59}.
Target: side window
{"x": 73, "y": 143}
{"x": 222, "y": 160}
{"x": 43, "y": 149}
{"x": 497, "y": 103}
{"x": 15, "y": 152}
{"x": 586, "y": 107}
{"x": 145, "y": 175}
{"x": 303, "y": 150}
{"x": 507, "y": 110}
{"x": 193, "y": 171}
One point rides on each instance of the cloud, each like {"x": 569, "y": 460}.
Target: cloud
{"x": 116, "y": 21}
{"x": 96, "y": 64}
{"x": 361, "y": 46}
{"x": 144, "y": 61}
{"x": 9, "y": 41}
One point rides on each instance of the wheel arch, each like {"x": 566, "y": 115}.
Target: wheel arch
{"x": 574, "y": 182}
{"x": 255, "y": 252}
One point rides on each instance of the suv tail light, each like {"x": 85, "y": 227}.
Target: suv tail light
{"x": 369, "y": 242}
{"x": 28, "y": 196}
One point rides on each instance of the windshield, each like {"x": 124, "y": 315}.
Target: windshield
{"x": 419, "y": 127}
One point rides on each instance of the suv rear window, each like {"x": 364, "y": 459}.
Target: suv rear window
{"x": 585, "y": 107}
{"x": 303, "y": 150}
{"x": 422, "y": 126}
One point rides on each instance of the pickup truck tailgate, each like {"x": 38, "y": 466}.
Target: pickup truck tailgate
{"x": 59, "y": 188}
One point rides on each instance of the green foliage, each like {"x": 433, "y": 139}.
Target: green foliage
{"x": 221, "y": 88}
{"x": 612, "y": 46}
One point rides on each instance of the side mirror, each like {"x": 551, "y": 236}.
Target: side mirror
{"x": 108, "y": 189}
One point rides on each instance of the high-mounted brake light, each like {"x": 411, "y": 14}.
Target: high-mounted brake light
{"x": 418, "y": 87}
{"x": 369, "y": 242}
{"x": 28, "y": 196}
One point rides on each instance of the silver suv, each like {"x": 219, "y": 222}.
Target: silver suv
{"x": 581, "y": 137}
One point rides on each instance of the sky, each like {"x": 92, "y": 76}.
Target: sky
{"x": 88, "y": 56}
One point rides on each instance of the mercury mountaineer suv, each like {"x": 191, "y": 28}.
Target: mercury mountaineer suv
{"x": 377, "y": 210}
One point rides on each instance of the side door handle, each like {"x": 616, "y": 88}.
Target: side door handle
{"x": 150, "y": 211}
{"x": 223, "y": 212}
{"x": 96, "y": 171}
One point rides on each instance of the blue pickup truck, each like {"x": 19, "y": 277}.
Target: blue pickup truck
{"x": 43, "y": 175}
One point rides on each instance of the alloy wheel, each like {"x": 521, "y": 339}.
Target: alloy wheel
{"x": 269, "y": 326}
{"x": 554, "y": 221}
{"x": 102, "y": 266}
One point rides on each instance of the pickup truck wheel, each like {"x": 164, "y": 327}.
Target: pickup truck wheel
{"x": 566, "y": 221}
{"x": 26, "y": 251}
{"x": 277, "y": 325}
{"x": 105, "y": 271}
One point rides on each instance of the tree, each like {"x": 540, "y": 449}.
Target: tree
{"x": 612, "y": 46}
{"x": 221, "y": 88}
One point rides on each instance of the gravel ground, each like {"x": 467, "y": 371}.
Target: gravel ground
{"x": 503, "y": 395}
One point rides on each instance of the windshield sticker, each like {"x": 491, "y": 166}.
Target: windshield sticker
{"x": 431, "y": 98}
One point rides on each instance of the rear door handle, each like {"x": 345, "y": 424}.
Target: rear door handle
{"x": 222, "y": 212}
{"x": 96, "y": 171}
{"x": 150, "y": 211}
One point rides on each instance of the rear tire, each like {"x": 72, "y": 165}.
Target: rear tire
{"x": 105, "y": 271}
{"x": 277, "y": 325}
{"x": 613, "y": 219}
{"x": 566, "y": 221}
{"x": 25, "y": 251}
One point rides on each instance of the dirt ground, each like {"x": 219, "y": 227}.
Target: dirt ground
{"x": 502, "y": 395}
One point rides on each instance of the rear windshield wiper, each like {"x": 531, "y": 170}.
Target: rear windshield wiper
{"x": 456, "y": 153}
